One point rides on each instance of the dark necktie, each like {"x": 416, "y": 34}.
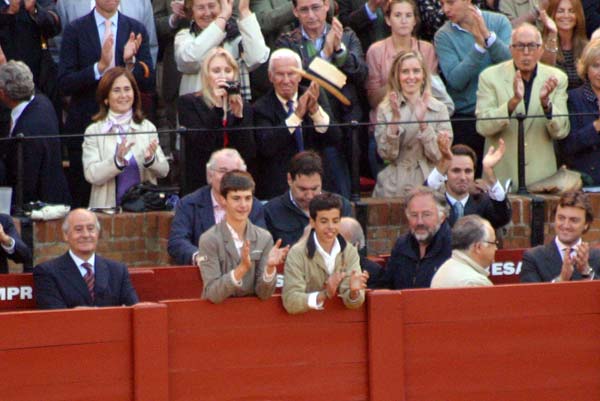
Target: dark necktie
{"x": 298, "y": 130}
{"x": 89, "y": 279}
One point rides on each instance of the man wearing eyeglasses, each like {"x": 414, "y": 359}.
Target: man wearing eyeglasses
{"x": 523, "y": 86}
{"x": 474, "y": 246}
{"x": 205, "y": 207}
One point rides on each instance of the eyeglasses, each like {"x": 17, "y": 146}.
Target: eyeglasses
{"x": 496, "y": 242}
{"x": 315, "y": 8}
{"x": 529, "y": 46}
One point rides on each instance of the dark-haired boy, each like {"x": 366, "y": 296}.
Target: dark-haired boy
{"x": 237, "y": 258}
{"x": 323, "y": 265}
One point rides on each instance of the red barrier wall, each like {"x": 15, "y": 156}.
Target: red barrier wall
{"x": 523, "y": 342}
{"x": 253, "y": 350}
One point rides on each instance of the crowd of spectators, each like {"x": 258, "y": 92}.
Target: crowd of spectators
{"x": 245, "y": 106}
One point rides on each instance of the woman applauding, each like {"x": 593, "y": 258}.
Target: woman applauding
{"x": 121, "y": 158}
{"x": 409, "y": 120}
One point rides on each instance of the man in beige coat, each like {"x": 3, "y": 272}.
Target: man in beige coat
{"x": 235, "y": 257}
{"x": 323, "y": 265}
{"x": 523, "y": 85}
{"x": 474, "y": 246}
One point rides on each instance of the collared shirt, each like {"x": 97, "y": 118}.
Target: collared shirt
{"x": 562, "y": 247}
{"x": 16, "y": 113}
{"x": 101, "y": 28}
{"x": 295, "y": 203}
{"x": 319, "y": 118}
{"x": 329, "y": 259}
{"x": 79, "y": 262}
{"x": 218, "y": 210}
{"x": 489, "y": 42}
{"x": 436, "y": 179}
{"x": 9, "y": 249}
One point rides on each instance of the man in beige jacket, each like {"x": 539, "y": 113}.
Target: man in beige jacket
{"x": 323, "y": 265}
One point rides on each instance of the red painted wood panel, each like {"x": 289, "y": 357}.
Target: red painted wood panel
{"x": 83, "y": 354}
{"x": 177, "y": 282}
{"x": 253, "y": 350}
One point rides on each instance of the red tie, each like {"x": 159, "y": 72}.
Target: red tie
{"x": 89, "y": 279}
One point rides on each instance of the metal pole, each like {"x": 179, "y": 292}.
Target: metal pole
{"x": 18, "y": 209}
{"x": 521, "y": 154}
{"x": 355, "y": 162}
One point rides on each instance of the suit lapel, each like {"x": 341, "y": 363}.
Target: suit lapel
{"x": 230, "y": 248}
{"x": 72, "y": 274}
{"x": 93, "y": 37}
{"x": 553, "y": 259}
{"x": 122, "y": 37}
{"x": 205, "y": 211}
{"x": 101, "y": 275}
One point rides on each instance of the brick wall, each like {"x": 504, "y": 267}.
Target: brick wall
{"x": 141, "y": 239}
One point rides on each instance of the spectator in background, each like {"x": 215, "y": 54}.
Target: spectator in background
{"x": 275, "y": 17}
{"x": 410, "y": 148}
{"x": 303, "y": 111}
{"x": 88, "y": 50}
{"x": 366, "y": 19}
{"x": 474, "y": 245}
{"x": 169, "y": 18}
{"x": 81, "y": 277}
{"x": 418, "y": 254}
{"x": 519, "y": 11}
{"x": 11, "y": 246}
{"x": 591, "y": 10}
{"x": 212, "y": 26}
{"x": 287, "y": 215}
{"x": 433, "y": 16}
{"x": 129, "y": 153}
{"x": 211, "y": 110}
{"x": 139, "y": 10}
{"x": 466, "y": 44}
{"x": 537, "y": 89}
{"x": 237, "y": 258}
{"x": 33, "y": 116}
{"x": 580, "y": 150}
{"x": 456, "y": 171}
{"x": 564, "y": 37}
{"x": 341, "y": 47}
{"x": 353, "y": 233}
{"x": 323, "y": 265}
{"x": 403, "y": 18}
{"x": 205, "y": 207}
{"x": 567, "y": 257}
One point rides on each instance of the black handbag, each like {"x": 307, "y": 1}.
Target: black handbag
{"x": 147, "y": 197}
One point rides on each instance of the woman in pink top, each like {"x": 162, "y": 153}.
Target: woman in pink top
{"x": 403, "y": 18}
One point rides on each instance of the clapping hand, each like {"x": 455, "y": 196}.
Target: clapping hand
{"x": 276, "y": 256}
{"x": 358, "y": 281}
{"x": 548, "y": 87}
{"x": 131, "y": 47}
{"x": 150, "y": 151}
{"x": 122, "y": 150}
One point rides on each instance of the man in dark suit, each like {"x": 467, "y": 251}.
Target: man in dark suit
{"x": 80, "y": 277}
{"x": 32, "y": 115}
{"x": 456, "y": 169}
{"x": 287, "y": 215}
{"x": 366, "y": 19}
{"x": 11, "y": 245}
{"x": 591, "y": 10}
{"x": 305, "y": 114}
{"x": 568, "y": 257}
{"x": 88, "y": 49}
{"x": 203, "y": 208}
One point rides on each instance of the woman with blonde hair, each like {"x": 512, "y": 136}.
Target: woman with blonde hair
{"x": 210, "y": 114}
{"x": 580, "y": 150}
{"x": 129, "y": 153}
{"x": 409, "y": 121}
{"x": 564, "y": 37}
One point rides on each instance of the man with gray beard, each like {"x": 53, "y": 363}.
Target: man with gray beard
{"x": 419, "y": 253}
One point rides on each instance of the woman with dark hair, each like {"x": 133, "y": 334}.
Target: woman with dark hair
{"x": 564, "y": 37}
{"x": 115, "y": 162}
{"x": 215, "y": 111}
{"x": 580, "y": 150}
{"x": 410, "y": 147}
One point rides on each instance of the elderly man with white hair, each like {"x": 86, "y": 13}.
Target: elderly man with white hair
{"x": 32, "y": 115}
{"x": 203, "y": 208}
{"x": 304, "y": 112}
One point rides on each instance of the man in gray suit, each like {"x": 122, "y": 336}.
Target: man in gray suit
{"x": 567, "y": 257}
{"x": 237, "y": 258}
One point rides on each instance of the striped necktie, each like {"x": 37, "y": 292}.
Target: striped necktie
{"x": 89, "y": 279}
